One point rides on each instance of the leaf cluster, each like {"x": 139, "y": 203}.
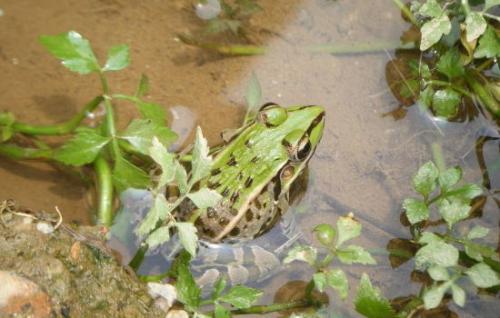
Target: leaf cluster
{"x": 233, "y": 17}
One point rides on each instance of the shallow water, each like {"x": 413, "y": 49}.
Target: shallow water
{"x": 364, "y": 163}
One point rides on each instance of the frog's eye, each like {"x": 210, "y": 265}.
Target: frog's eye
{"x": 303, "y": 148}
{"x": 298, "y": 145}
{"x": 272, "y": 115}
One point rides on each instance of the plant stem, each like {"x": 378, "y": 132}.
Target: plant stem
{"x": 136, "y": 261}
{"x": 406, "y": 11}
{"x": 483, "y": 94}
{"x": 20, "y": 153}
{"x": 104, "y": 190}
{"x": 354, "y": 48}
{"x": 235, "y": 49}
{"x": 437, "y": 153}
{"x": 110, "y": 117}
{"x": 465, "y": 5}
{"x": 58, "y": 129}
{"x": 450, "y": 85}
{"x": 263, "y": 309}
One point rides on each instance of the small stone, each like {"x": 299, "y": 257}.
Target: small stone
{"x": 74, "y": 251}
{"x": 177, "y": 313}
{"x": 165, "y": 291}
{"x": 45, "y": 227}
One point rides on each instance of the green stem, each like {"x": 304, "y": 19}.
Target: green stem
{"x": 309, "y": 290}
{"x": 235, "y": 49}
{"x": 356, "y": 48}
{"x": 58, "y": 129}
{"x": 110, "y": 117}
{"x": 264, "y": 309}
{"x": 483, "y": 94}
{"x": 136, "y": 262}
{"x": 406, "y": 11}
{"x": 450, "y": 85}
{"x": 437, "y": 153}
{"x": 20, "y": 153}
{"x": 105, "y": 191}
{"x": 465, "y": 5}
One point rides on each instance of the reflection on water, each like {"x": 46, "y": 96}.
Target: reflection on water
{"x": 365, "y": 161}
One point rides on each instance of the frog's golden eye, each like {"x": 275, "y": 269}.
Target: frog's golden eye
{"x": 272, "y": 115}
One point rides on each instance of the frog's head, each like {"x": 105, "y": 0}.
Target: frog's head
{"x": 301, "y": 131}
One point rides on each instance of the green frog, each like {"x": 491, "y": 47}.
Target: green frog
{"x": 254, "y": 170}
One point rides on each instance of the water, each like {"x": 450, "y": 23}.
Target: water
{"x": 364, "y": 163}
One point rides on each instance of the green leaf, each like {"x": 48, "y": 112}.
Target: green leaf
{"x": 127, "y": 175}
{"x": 82, "y": 149}
{"x": 429, "y": 237}
{"x": 74, "y": 51}
{"x": 253, "y": 94}
{"x": 416, "y": 210}
{"x": 219, "y": 287}
{"x": 436, "y": 253}
{"x": 303, "y": 253}
{"x": 153, "y": 112}
{"x": 483, "y": 276}
{"x": 165, "y": 160}
{"x": 347, "y": 229}
{"x": 467, "y": 192}
{"x": 477, "y": 232}
{"x": 158, "y": 237}
{"x": 370, "y": 302}
{"x": 458, "y": 295}
{"x": 241, "y": 296}
{"x": 433, "y": 296}
{"x": 221, "y": 312}
{"x": 433, "y": 30}
{"x": 140, "y": 133}
{"x": 424, "y": 181}
{"x": 187, "y": 291}
{"x": 425, "y": 97}
{"x": 450, "y": 177}
{"x": 488, "y": 4}
{"x": 450, "y": 65}
{"x": 187, "y": 236}
{"x": 205, "y": 198}
{"x": 118, "y": 58}
{"x": 337, "y": 279}
{"x": 202, "y": 162}
{"x": 7, "y": 118}
{"x": 489, "y": 44}
{"x": 355, "y": 254}
{"x": 143, "y": 87}
{"x": 181, "y": 177}
{"x": 438, "y": 273}
{"x": 453, "y": 210}
{"x": 319, "y": 281}
{"x": 430, "y": 9}
{"x": 159, "y": 212}
{"x": 325, "y": 234}
{"x": 475, "y": 25}
{"x": 478, "y": 251}
{"x": 445, "y": 102}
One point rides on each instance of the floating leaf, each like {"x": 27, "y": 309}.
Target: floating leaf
{"x": 489, "y": 44}
{"x": 483, "y": 276}
{"x": 201, "y": 162}
{"x": 416, "y": 210}
{"x": 140, "y": 133}
{"x": 74, "y": 51}
{"x": 159, "y": 211}
{"x": 433, "y": 30}
{"x": 370, "y": 302}
{"x": 127, "y": 175}
{"x": 82, "y": 149}
{"x": 303, "y": 253}
{"x": 425, "y": 179}
{"x": 436, "y": 253}
{"x": 445, "y": 102}
{"x": 118, "y": 58}
{"x": 475, "y": 25}
{"x": 347, "y": 229}
{"x": 355, "y": 254}
{"x": 187, "y": 236}
{"x": 205, "y": 198}
{"x": 241, "y": 296}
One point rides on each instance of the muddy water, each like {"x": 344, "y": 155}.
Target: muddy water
{"x": 364, "y": 163}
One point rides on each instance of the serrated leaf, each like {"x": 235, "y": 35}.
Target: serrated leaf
{"x": 82, "y": 149}
{"x": 489, "y": 44}
{"x": 74, "y": 51}
{"x": 370, "y": 302}
{"x": 475, "y": 25}
{"x": 118, "y": 58}
{"x": 337, "y": 279}
{"x": 445, "y": 102}
{"x": 416, "y": 210}
{"x": 478, "y": 251}
{"x": 187, "y": 235}
{"x": 140, "y": 133}
{"x": 201, "y": 162}
{"x": 181, "y": 177}
{"x": 205, "y": 198}
{"x": 430, "y": 9}
{"x": 477, "y": 232}
{"x": 127, "y": 175}
{"x": 158, "y": 237}
{"x": 159, "y": 211}
{"x": 424, "y": 181}
{"x": 153, "y": 112}
{"x": 453, "y": 210}
{"x": 253, "y": 94}
{"x": 429, "y": 237}
{"x": 187, "y": 291}
{"x": 450, "y": 65}
{"x": 438, "y": 273}
{"x": 450, "y": 177}
{"x": 347, "y": 229}
{"x": 241, "y": 296}
{"x": 165, "y": 160}
{"x": 433, "y": 296}
{"x": 355, "y": 254}
{"x": 143, "y": 87}
{"x": 467, "y": 192}
{"x": 433, "y": 30}
{"x": 458, "y": 295}
{"x": 303, "y": 253}
{"x": 483, "y": 276}
{"x": 221, "y": 312}
{"x": 436, "y": 253}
